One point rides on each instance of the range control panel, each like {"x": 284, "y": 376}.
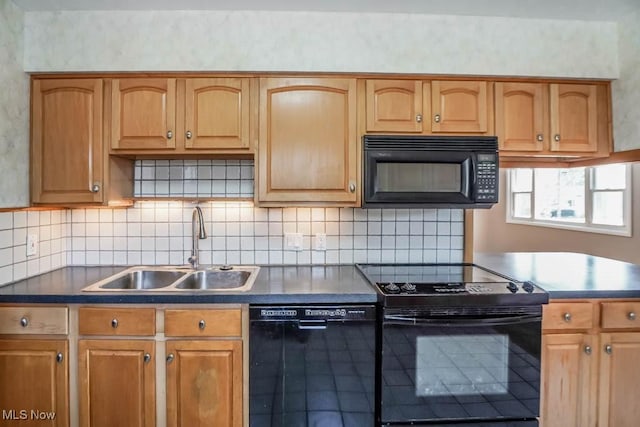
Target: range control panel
{"x": 487, "y": 178}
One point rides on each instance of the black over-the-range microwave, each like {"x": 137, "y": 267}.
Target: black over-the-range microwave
{"x": 430, "y": 171}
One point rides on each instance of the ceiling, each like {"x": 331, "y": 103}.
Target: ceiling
{"x": 589, "y": 10}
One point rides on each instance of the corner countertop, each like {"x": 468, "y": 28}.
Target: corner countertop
{"x": 301, "y": 284}
{"x": 567, "y": 274}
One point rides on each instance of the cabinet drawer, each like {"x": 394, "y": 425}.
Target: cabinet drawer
{"x": 34, "y": 320}
{"x": 116, "y": 321}
{"x": 576, "y": 315}
{"x": 208, "y": 323}
{"x": 620, "y": 315}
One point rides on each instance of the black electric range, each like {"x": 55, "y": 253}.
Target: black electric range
{"x": 402, "y": 285}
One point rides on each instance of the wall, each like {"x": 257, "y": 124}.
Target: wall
{"x": 314, "y": 41}
{"x": 493, "y": 234}
{"x": 14, "y": 110}
{"x": 626, "y": 91}
{"x": 239, "y": 233}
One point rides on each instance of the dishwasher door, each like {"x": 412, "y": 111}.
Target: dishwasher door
{"x": 312, "y": 366}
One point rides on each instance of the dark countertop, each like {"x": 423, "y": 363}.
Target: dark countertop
{"x": 567, "y": 274}
{"x": 339, "y": 284}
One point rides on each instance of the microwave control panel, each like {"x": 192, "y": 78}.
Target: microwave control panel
{"x": 487, "y": 178}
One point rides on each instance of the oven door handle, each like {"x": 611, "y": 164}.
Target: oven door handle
{"x": 312, "y": 324}
{"x": 465, "y": 321}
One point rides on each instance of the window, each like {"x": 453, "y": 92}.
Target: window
{"x": 596, "y": 199}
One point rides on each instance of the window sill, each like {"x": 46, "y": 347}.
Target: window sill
{"x": 613, "y": 231}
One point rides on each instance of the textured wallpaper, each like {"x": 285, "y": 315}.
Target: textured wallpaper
{"x": 14, "y": 110}
{"x": 626, "y": 91}
{"x": 314, "y": 41}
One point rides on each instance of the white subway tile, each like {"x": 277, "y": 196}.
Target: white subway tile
{"x": 19, "y": 271}
{"x": 33, "y": 219}
{"x": 6, "y": 257}
{"x": 92, "y": 215}
{"x": 6, "y": 274}
{"x": 6, "y": 238}
{"x": 19, "y": 219}
{"x": 6, "y": 220}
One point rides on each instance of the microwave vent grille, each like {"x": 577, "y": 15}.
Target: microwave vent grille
{"x": 431, "y": 143}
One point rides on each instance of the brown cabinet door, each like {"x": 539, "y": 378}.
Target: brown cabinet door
{"x": 143, "y": 114}
{"x": 619, "y": 380}
{"x": 116, "y": 383}
{"x": 394, "y": 105}
{"x": 66, "y": 147}
{"x": 568, "y": 363}
{"x": 459, "y": 106}
{"x": 308, "y": 141}
{"x": 217, "y": 114}
{"x": 521, "y": 116}
{"x": 204, "y": 383}
{"x": 574, "y": 117}
{"x": 34, "y": 387}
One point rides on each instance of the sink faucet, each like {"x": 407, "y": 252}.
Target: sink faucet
{"x": 197, "y": 232}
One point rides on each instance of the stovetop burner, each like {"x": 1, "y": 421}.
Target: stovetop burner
{"x": 456, "y": 284}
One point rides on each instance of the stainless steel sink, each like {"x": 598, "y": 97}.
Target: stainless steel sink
{"x": 178, "y": 279}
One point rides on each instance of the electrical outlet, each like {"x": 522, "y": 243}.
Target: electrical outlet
{"x": 320, "y": 242}
{"x": 32, "y": 244}
{"x": 293, "y": 241}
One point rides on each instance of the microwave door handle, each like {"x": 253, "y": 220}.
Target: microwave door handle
{"x": 456, "y": 321}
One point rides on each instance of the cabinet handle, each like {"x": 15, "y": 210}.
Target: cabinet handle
{"x": 59, "y": 357}
{"x": 352, "y": 187}
{"x": 147, "y": 358}
{"x": 608, "y": 349}
{"x": 631, "y": 316}
{"x": 587, "y": 349}
{"x": 24, "y": 322}
{"x": 95, "y": 188}
{"x": 539, "y": 137}
{"x": 557, "y": 138}
{"x": 436, "y": 118}
{"x": 188, "y": 134}
{"x": 169, "y": 134}
{"x": 419, "y": 118}
{"x": 202, "y": 324}
{"x": 170, "y": 357}
{"x": 567, "y": 317}
{"x": 114, "y": 323}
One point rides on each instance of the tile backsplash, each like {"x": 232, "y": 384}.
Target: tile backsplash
{"x": 159, "y": 232}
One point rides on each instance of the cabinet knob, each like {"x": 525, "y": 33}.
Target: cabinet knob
{"x": 188, "y": 134}
{"x": 95, "y": 188}
{"x": 24, "y": 322}
{"x": 170, "y": 357}
{"x": 352, "y": 187}
{"x": 608, "y": 349}
{"x": 59, "y": 357}
{"x": 539, "y": 137}
{"x": 631, "y": 315}
{"x": 419, "y": 118}
{"x": 114, "y": 323}
{"x": 436, "y": 118}
{"x": 169, "y": 134}
{"x": 587, "y": 349}
{"x": 567, "y": 317}
{"x": 557, "y": 138}
{"x": 202, "y": 324}
{"x": 147, "y": 358}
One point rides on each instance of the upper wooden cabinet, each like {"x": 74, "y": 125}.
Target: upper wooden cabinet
{"x": 143, "y": 114}
{"x": 164, "y": 116}
{"x": 66, "y": 141}
{"x": 459, "y": 106}
{"x": 541, "y": 119}
{"x": 417, "y": 106}
{"x": 308, "y": 145}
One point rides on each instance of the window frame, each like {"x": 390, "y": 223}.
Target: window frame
{"x": 588, "y": 226}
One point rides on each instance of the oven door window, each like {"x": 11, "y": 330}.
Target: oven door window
{"x": 433, "y": 372}
{"x": 419, "y": 177}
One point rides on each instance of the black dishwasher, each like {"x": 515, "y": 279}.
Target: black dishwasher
{"x": 312, "y": 366}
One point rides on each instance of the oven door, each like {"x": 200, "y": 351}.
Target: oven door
{"x": 461, "y": 365}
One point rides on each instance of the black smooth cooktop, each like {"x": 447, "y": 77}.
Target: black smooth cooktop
{"x": 456, "y": 284}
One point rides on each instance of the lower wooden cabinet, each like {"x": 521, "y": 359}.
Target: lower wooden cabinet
{"x": 204, "y": 383}
{"x": 34, "y": 385}
{"x": 590, "y": 356}
{"x": 117, "y": 383}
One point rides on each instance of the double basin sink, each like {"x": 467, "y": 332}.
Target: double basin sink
{"x": 178, "y": 279}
